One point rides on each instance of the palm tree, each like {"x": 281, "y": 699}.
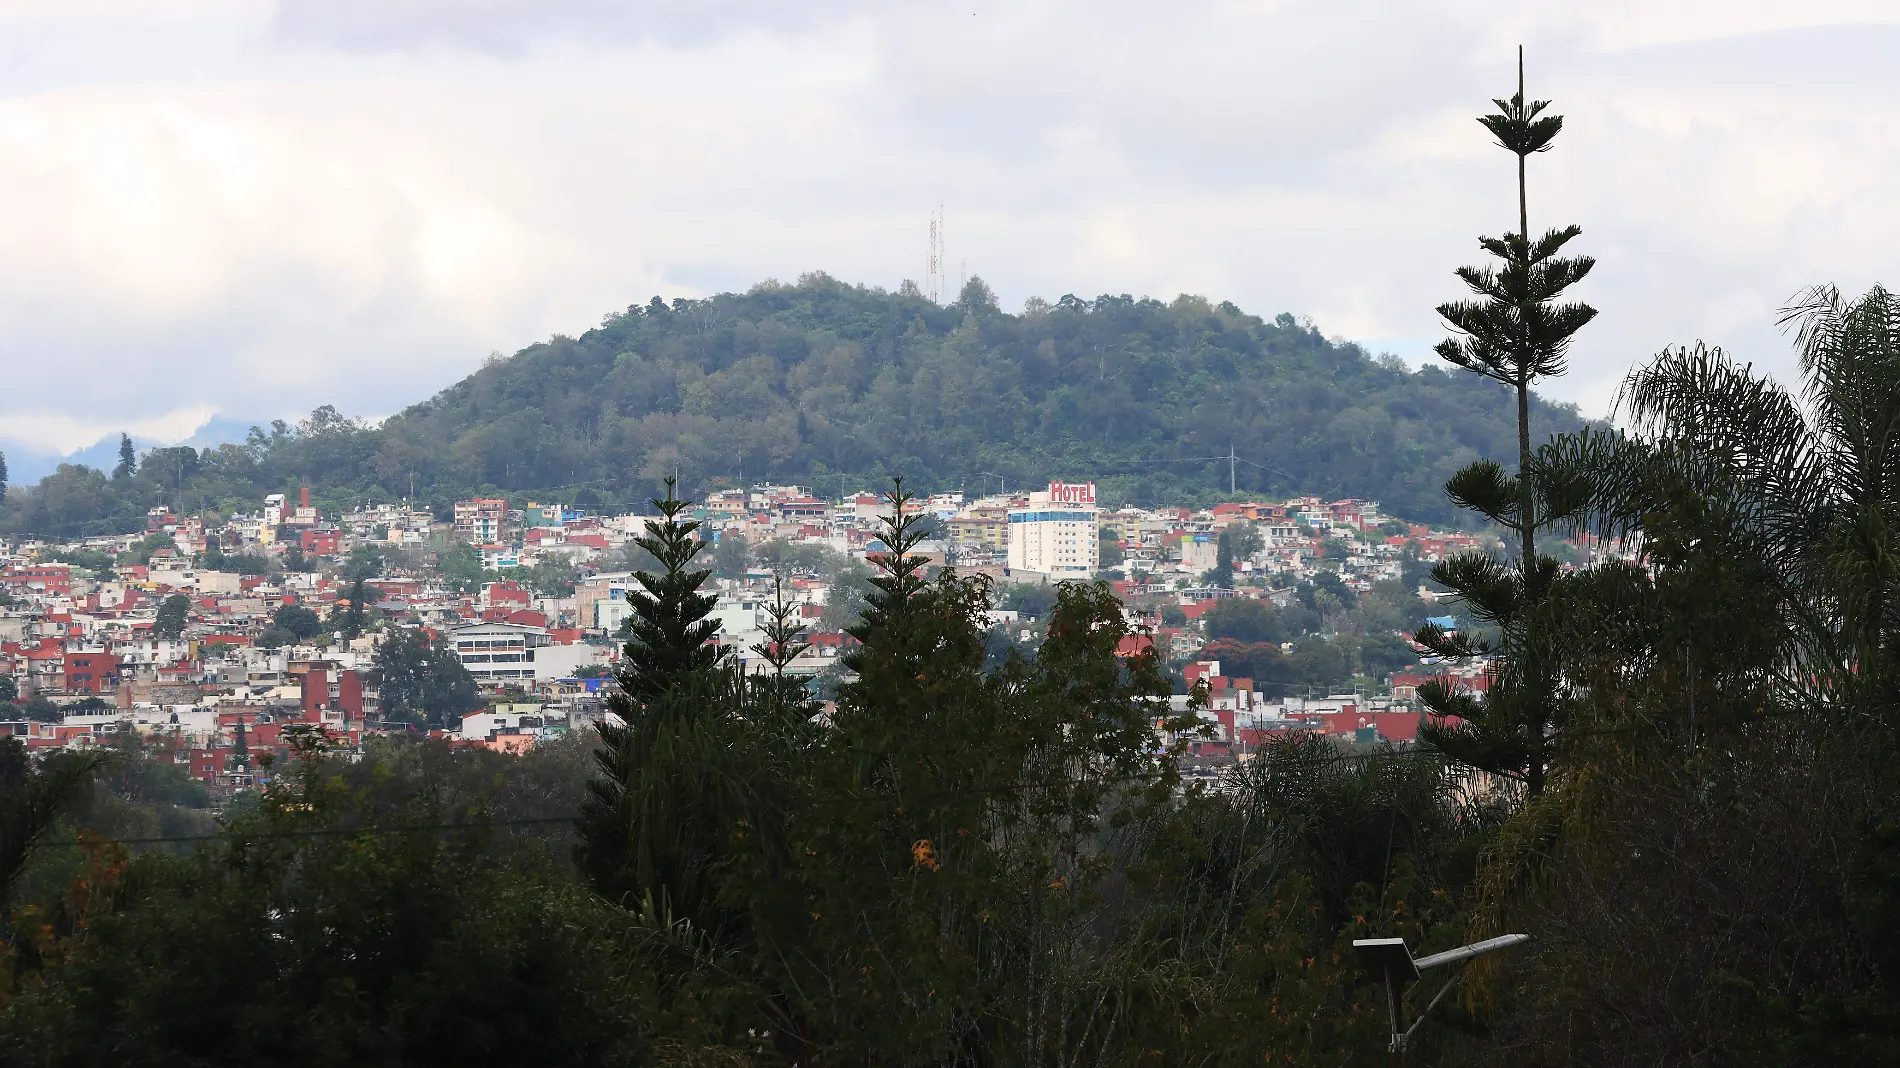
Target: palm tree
{"x": 1726, "y": 729}
{"x": 1812, "y": 479}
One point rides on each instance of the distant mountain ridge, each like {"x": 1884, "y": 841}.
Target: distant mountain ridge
{"x": 843, "y": 386}
{"x": 27, "y": 464}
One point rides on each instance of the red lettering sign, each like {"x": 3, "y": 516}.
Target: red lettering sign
{"x": 1065, "y": 493}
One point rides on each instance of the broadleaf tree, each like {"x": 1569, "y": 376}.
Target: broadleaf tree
{"x": 423, "y": 681}
{"x": 173, "y": 613}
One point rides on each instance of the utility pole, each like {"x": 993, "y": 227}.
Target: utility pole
{"x": 1231, "y": 458}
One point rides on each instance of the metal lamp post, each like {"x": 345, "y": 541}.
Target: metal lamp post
{"x": 1395, "y": 964}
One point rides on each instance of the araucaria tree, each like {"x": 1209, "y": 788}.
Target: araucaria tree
{"x": 128, "y": 464}
{"x": 1515, "y": 331}
{"x": 669, "y": 789}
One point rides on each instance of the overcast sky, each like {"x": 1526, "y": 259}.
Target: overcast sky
{"x": 253, "y": 208}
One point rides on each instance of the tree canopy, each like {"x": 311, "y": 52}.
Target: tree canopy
{"x": 841, "y": 386}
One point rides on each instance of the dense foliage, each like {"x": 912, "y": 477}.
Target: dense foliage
{"x": 976, "y": 859}
{"x": 974, "y": 862}
{"x": 338, "y": 923}
{"x": 1326, "y": 640}
{"x": 422, "y": 680}
{"x": 841, "y": 386}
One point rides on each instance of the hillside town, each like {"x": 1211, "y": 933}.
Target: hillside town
{"x": 217, "y": 638}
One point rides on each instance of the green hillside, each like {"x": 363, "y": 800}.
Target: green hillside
{"x": 842, "y": 386}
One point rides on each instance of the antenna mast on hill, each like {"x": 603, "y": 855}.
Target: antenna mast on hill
{"x": 935, "y": 268}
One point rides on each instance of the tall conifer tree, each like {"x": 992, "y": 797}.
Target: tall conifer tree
{"x": 1515, "y": 332}
{"x": 353, "y": 618}
{"x": 670, "y": 632}
{"x": 659, "y": 814}
{"x": 128, "y": 459}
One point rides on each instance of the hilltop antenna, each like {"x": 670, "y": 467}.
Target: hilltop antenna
{"x": 935, "y": 266}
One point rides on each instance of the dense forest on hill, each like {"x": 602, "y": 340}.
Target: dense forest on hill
{"x": 842, "y": 386}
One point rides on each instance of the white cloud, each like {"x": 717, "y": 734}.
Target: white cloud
{"x": 231, "y": 207}
{"x": 66, "y": 433}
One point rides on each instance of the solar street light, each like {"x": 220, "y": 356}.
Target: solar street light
{"x": 1396, "y": 966}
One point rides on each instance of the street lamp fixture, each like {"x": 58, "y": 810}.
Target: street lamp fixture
{"x": 1393, "y": 961}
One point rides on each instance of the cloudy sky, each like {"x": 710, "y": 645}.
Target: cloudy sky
{"x": 252, "y": 208}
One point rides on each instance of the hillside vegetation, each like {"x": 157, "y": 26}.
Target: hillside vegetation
{"x": 842, "y": 386}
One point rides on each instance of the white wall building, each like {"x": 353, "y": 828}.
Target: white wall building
{"x": 1058, "y": 534}
{"x": 522, "y": 719}
{"x": 509, "y": 652}
{"x": 152, "y": 652}
{"x": 1199, "y": 552}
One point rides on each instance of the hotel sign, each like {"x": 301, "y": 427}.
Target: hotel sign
{"x": 1071, "y": 493}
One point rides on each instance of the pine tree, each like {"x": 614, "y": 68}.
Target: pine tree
{"x": 671, "y": 635}
{"x": 1514, "y": 332}
{"x": 949, "y": 857}
{"x": 661, "y": 810}
{"x": 352, "y": 624}
{"x": 3, "y": 478}
{"x": 784, "y": 642}
{"x": 899, "y": 580}
{"x": 919, "y": 749}
{"x": 128, "y": 459}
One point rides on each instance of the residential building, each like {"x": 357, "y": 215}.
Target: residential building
{"x": 1199, "y": 552}
{"x": 318, "y": 542}
{"x": 481, "y": 520}
{"x": 497, "y": 653}
{"x": 90, "y": 673}
{"x": 601, "y": 602}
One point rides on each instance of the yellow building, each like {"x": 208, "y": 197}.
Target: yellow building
{"x": 981, "y": 526}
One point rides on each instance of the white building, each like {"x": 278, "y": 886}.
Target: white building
{"x": 152, "y": 652}
{"x": 1199, "y": 552}
{"x": 739, "y": 618}
{"x": 507, "y": 652}
{"x": 513, "y": 719}
{"x": 1058, "y": 534}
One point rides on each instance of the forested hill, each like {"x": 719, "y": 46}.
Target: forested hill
{"x": 842, "y": 386}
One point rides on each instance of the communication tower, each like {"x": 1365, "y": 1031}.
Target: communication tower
{"x": 935, "y": 268}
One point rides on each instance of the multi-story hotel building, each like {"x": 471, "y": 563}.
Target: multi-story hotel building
{"x": 1056, "y": 534}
